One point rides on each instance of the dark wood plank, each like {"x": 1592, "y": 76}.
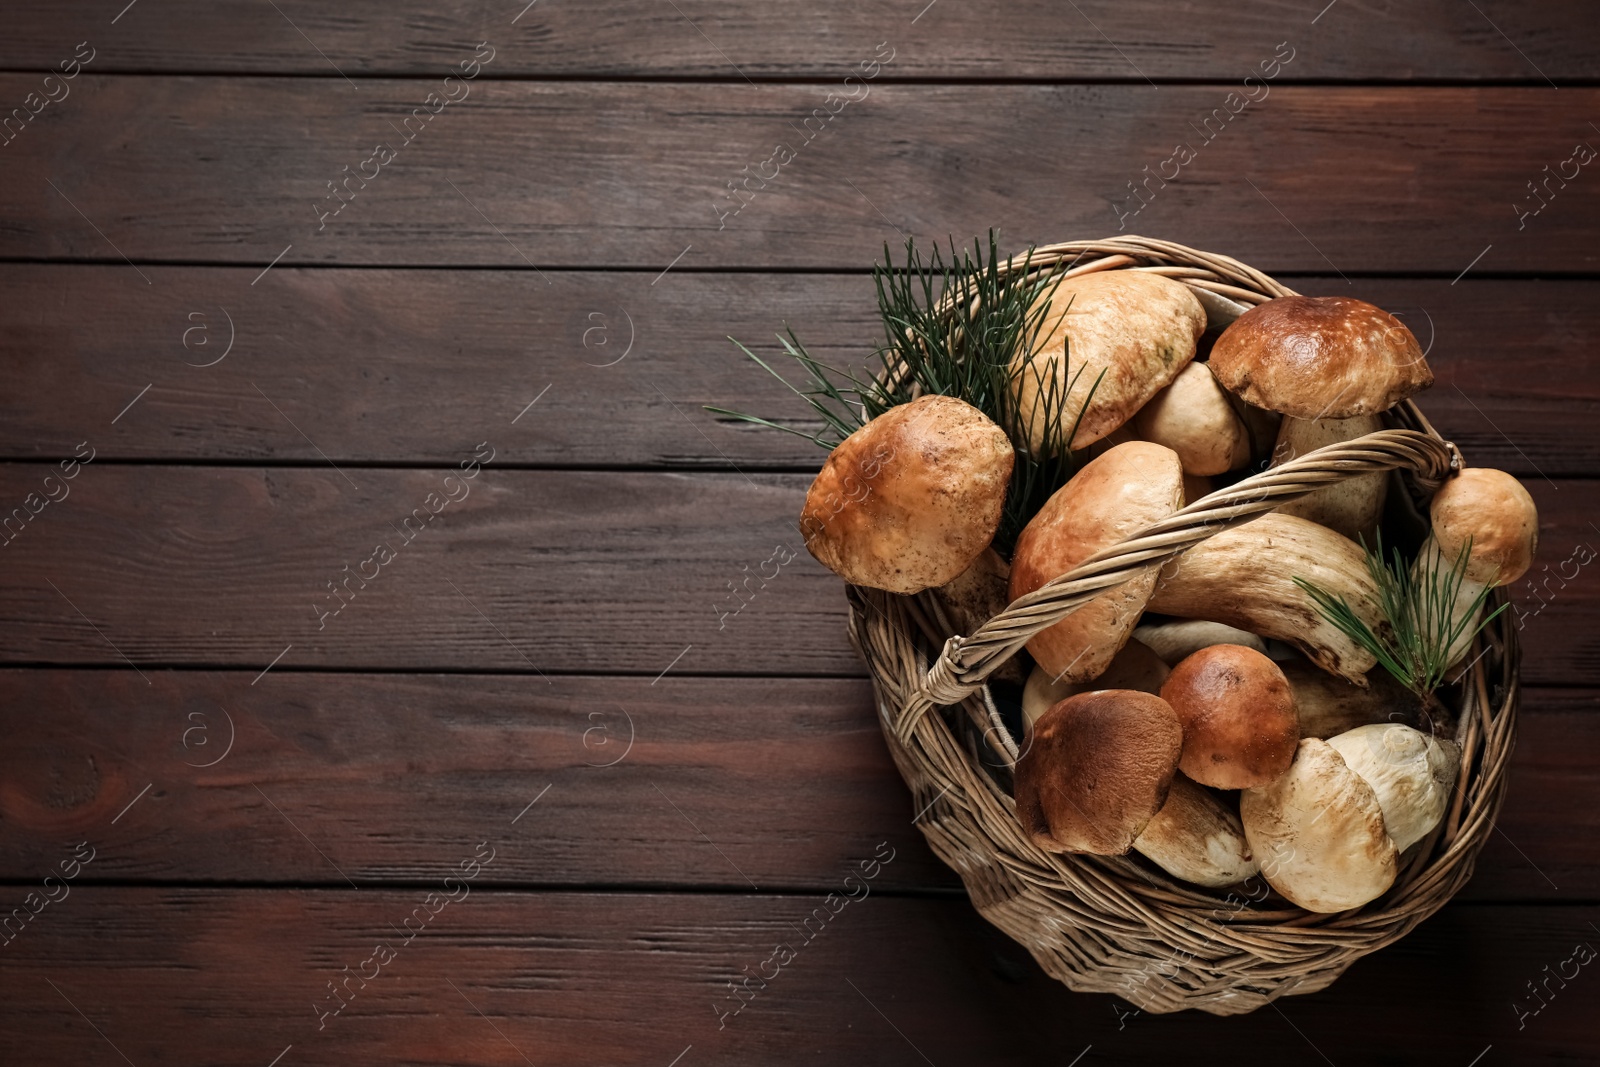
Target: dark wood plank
{"x": 787, "y": 778}
{"x": 552, "y": 571}
{"x": 529, "y": 572}
{"x": 397, "y": 366}
{"x": 219, "y": 976}
{"x": 1030, "y": 39}
{"x": 563, "y": 174}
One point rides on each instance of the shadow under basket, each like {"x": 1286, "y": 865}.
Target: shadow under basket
{"x": 1120, "y": 924}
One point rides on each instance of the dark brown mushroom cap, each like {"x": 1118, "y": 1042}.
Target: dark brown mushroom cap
{"x": 1097, "y": 769}
{"x": 1320, "y": 357}
{"x": 912, "y": 498}
{"x": 1238, "y": 714}
{"x": 1492, "y": 509}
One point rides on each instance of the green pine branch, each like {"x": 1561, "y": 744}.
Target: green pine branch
{"x": 953, "y": 326}
{"x": 1417, "y": 603}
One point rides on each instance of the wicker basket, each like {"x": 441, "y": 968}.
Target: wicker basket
{"x": 1119, "y": 924}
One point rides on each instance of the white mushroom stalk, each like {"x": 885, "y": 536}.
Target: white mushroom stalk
{"x": 1177, "y": 640}
{"x": 1244, "y": 577}
{"x": 1353, "y": 506}
{"x": 1135, "y": 667}
{"x": 1197, "y": 836}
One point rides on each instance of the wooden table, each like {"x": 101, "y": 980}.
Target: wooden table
{"x": 366, "y": 690}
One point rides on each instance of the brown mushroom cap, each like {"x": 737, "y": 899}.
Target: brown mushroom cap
{"x": 1096, "y": 771}
{"x": 1239, "y": 724}
{"x": 908, "y": 501}
{"x": 1127, "y": 330}
{"x": 1110, "y": 499}
{"x": 1320, "y": 357}
{"x": 1496, "y": 512}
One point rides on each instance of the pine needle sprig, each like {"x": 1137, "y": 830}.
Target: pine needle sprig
{"x": 1419, "y": 606}
{"x": 841, "y": 407}
{"x": 955, "y": 325}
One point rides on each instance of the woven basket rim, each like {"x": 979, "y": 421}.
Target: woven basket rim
{"x": 1118, "y": 924}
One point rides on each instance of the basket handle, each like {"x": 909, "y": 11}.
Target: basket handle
{"x": 966, "y": 662}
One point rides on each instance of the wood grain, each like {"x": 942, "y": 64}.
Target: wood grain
{"x": 787, "y": 779}
{"x": 1028, "y": 39}
{"x": 566, "y": 174}
{"x": 235, "y": 976}
{"x": 533, "y": 571}
{"x": 398, "y": 366}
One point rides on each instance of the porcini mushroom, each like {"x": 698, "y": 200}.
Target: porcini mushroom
{"x": 1124, "y": 334}
{"x": 1320, "y": 357}
{"x": 1488, "y": 515}
{"x": 1317, "y": 831}
{"x": 1352, "y": 506}
{"x": 1109, "y": 500}
{"x": 1197, "y": 837}
{"x": 1096, "y": 771}
{"x": 1178, "y": 639}
{"x": 908, "y": 501}
{"x": 1237, "y": 711}
{"x": 1410, "y": 772}
{"x": 1135, "y": 667}
{"x": 1245, "y": 578}
{"x": 1193, "y": 417}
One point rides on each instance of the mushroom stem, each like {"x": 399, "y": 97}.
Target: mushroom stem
{"x": 1177, "y": 640}
{"x": 1352, "y": 507}
{"x": 1197, "y": 837}
{"x": 1411, "y": 773}
{"x": 1465, "y": 608}
{"x": 1245, "y": 577}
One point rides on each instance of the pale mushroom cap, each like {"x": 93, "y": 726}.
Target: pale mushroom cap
{"x": 1492, "y": 509}
{"x": 1411, "y": 773}
{"x": 1109, "y": 500}
{"x": 1135, "y": 667}
{"x": 1192, "y": 417}
{"x": 1318, "y": 833}
{"x": 908, "y": 501}
{"x": 1197, "y": 836}
{"x": 1175, "y": 641}
{"x": 1320, "y": 357}
{"x": 1137, "y": 329}
{"x": 1096, "y": 770}
{"x": 1238, "y": 716}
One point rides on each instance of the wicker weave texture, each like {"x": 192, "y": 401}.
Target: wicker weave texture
{"x": 1120, "y": 925}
